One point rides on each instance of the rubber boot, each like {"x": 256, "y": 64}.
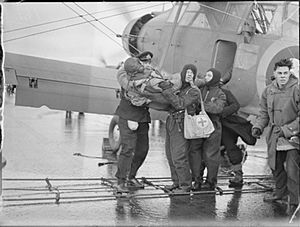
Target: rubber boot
{"x": 181, "y": 190}
{"x": 245, "y": 153}
{"x": 196, "y": 186}
{"x": 121, "y": 187}
{"x": 225, "y": 162}
{"x": 172, "y": 186}
{"x": 237, "y": 181}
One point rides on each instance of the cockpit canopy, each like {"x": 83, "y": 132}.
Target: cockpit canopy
{"x": 263, "y": 17}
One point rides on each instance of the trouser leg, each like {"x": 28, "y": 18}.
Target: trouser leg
{"x": 168, "y": 148}
{"x": 179, "y": 154}
{"x": 237, "y": 180}
{"x": 292, "y": 169}
{"x": 202, "y": 168}
{"x": 128, "y": 142}
{"x": 229, "y": 140}
{"x": 141, "y": 150}
{"x": 195, "y": 158}
{"x": 211, "y": 148}
{"x": 280, "y": 175}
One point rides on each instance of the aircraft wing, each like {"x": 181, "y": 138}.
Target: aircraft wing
{"x": 63, "y": 85}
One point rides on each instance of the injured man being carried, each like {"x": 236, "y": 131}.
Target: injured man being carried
{"x": 141, "y": 84}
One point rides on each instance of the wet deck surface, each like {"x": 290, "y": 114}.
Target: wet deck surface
{"x": 41, "y": 143}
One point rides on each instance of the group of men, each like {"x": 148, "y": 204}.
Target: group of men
{"x": 279, "y": 109}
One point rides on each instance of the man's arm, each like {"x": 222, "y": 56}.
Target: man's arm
{"x": 154, "y": 97}
{"x": 216, "y": 106}
{"x": 292, "y": 128}
{"x": 180, "y": 103}
{"x": 123, "y": 80}
{"x": 263, "y": 118}
{"x": 232, "y": 104}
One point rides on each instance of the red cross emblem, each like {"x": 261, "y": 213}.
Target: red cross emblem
{"x": 201, "y": 122}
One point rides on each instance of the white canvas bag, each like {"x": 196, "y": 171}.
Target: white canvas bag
{"x": 198, "y": 126}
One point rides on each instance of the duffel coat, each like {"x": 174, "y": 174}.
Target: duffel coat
{"x": 279, "y": 108}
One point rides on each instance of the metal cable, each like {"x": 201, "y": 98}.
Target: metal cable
{"x": 93, "y": 25}
{"x": 69, "y": 18}
{"x": 71, "y": 25}
{"x": 104, "y": 25}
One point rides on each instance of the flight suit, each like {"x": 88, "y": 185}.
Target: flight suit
{"x": 176, "y": 145}
{"x": 207, "y": 149}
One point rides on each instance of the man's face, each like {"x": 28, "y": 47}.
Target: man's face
{"x": 282, "y": 75}
{"x": 146, "y": 63}
{"x": 189, "y": 75}
{"x": 208, "y": 76}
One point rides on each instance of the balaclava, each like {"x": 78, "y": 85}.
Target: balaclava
{"x": 183, "y": 73}
{"x": 216, "y": 78}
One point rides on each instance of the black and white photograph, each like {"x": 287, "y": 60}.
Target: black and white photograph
{"x": 149, "y": 113}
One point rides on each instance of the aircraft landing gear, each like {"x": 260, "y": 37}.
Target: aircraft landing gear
{"x": 68, "y": 114}
{"x": 114, "y": 134}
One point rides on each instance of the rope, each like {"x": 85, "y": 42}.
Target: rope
{"x": 53, "y": 179}
{"x": 110, "y": 182}
{"x": 42, "y": 188}
{"x": 52, "y": 189}
{"x": 97, "y": 199}
{"x": 106, "y": 163}
{"x": 225, "y": 191}
{"x": 64, "y": 191}
{"x": 294, "y": 214}
{"x": 258, "y": 176}
{"x": 88, "y": 156}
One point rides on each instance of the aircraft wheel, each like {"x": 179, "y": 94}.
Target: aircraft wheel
{"x": 114, "y": 134}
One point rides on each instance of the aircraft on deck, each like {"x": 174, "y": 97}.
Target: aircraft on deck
{"x": 241, "y": 39}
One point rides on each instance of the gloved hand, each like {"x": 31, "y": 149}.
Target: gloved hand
{"x": 279, "y": 131}
{"x": 256, "y": 132}
{"x": 281, "y": 134}
{"x": 130, "y": 84}
{"x": 141, "y": 69}
{"x": 165, "y": 85}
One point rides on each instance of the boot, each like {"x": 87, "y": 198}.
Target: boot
{"x": 197, "y": 186}
{"x": 181, "y": 190}
{"x": 208, "y": 186}
{"x": 121, "y": 188}
{"x": 245, "y": 153}
{"x": 172, "y": 186}
{"x": 237, "y": 181}
{"x": 270, "y": 198}
{"x": 134, "y": 183}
